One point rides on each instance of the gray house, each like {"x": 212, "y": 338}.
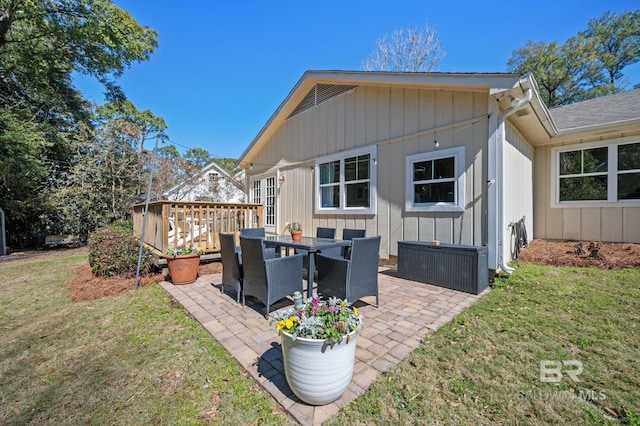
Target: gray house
{"x": 447, "y": 156}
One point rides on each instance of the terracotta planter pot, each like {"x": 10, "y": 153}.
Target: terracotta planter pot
{"x": 296, "y": 235}
{"x": 318, "y": 374}
{"x": 183, "y": 269}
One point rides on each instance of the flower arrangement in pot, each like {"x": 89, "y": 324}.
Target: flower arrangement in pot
{"x": 183, "y": 263}
{"x": 318, "y": 347}
{"x": 295, "y": 228}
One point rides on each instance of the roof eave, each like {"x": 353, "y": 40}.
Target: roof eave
{"x": 597, "y": 131}
{"x": 493, "y": 82}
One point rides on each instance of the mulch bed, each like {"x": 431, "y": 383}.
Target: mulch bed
{"x": 582, "y": 254}
{"x": 86, "y": 286}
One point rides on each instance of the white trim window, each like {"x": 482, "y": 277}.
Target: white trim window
{"x": 595, "y": 174}
{"x": 435, "y": 181}
{"x": 346, "y": 182}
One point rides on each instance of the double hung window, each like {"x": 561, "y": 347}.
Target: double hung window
{"x": 345, "y": 183}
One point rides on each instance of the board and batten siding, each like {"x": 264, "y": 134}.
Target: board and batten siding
{"x": 378, "y": 116}
{"x": 606, "y": 223}
{"x": 518, "y": 182}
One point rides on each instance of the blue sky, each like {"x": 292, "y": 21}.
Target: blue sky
{"x": 223, "y": 67}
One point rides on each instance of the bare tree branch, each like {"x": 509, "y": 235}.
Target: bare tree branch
{"x": 412, "y": 50}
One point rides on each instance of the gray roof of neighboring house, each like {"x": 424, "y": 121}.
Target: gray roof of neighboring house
{"x": 606, "y": 109}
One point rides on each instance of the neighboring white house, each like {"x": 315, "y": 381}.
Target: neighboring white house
{"x": 454, "y": 157}
{"x": 212, "y": 184}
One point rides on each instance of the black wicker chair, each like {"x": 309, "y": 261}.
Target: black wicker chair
{"x": 231, "y": 263}
{"x": 268, "y": 280}
{"x": 350, "y": 234}
{"x": 326, "y": 233}
{"x": 320, "y": 233}
{"x": 354, "y": 278}
{"x": 252, "y": 232}
{"x": 258, "y": 233}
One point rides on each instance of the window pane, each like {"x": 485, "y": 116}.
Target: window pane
{"x": 629, "y": 186}
{"x": 422, "y": 170}
{"x": 583, "y": 188}
{"x": 358, "y": 195}
{"x": 350, "y": 165}
{"x": 570, "y": 163}
{"x": 356, "y": 168}
{"x": 363, "y": 167}
{"x": 330, "y": 172}
{"x": 330, "y": 196}
{"x": 442, "y": 192}
{"x": 629, "y": 156}
{"x": 595, "y": 160}
{"x": 443, "y": 168}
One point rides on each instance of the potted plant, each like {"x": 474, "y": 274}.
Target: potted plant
{"x": 319, "y": 347}
{"x": 183, "y": 263}
{"x": 295, "y": 228}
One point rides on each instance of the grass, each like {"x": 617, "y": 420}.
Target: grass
{"x": 138, "y": 358}
{"x": 484, "y": 366}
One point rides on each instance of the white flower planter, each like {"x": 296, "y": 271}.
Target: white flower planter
{"x": 318, "y": 374}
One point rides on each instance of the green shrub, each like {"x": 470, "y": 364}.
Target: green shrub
{"x": 113, "y": 250}
{"x": 126, "y": 225}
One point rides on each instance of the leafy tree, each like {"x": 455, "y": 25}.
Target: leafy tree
{"x": 100, "y": 186}
{"x": 141, "y": 125}
{"x": 587, "y": 65}
{"x": 23, "y": 173}
{"x": 554, "y": 67}
{"x": 197, "y": 156}
{"x": 134, "y": 127}
{"x": 229, "y": 164}
{"x": 41, "y": 43}
{"x": 413, "y": 50}
{"x": 615, "y": 40}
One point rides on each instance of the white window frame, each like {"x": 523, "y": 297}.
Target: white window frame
{"x": 612, "y": 175}
{"x": 342, "y": 209}
{"x": 458, "y": 154}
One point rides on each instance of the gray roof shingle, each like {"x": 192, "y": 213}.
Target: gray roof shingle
{"x": 606, "y": 109}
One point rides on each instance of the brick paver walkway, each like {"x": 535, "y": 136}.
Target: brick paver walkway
{"x": 415, "y": 309}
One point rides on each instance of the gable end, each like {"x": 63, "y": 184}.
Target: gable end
{"x": 318, "y": 94}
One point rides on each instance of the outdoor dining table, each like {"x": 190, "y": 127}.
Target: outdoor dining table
{"x": 311, "y": 244}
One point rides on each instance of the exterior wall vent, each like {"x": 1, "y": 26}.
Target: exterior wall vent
{"x": 319, "y": 94}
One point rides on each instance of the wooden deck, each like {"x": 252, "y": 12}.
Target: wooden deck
{"x": 173, "y": 224}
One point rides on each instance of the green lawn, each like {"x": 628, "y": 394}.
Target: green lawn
{"x": 484, "y": 366}
{"x": 138, "y": 358}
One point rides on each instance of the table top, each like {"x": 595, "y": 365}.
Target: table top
{"x": 306, "y": 243}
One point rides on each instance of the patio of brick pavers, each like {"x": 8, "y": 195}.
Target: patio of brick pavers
{"x": 415, "y": 309}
